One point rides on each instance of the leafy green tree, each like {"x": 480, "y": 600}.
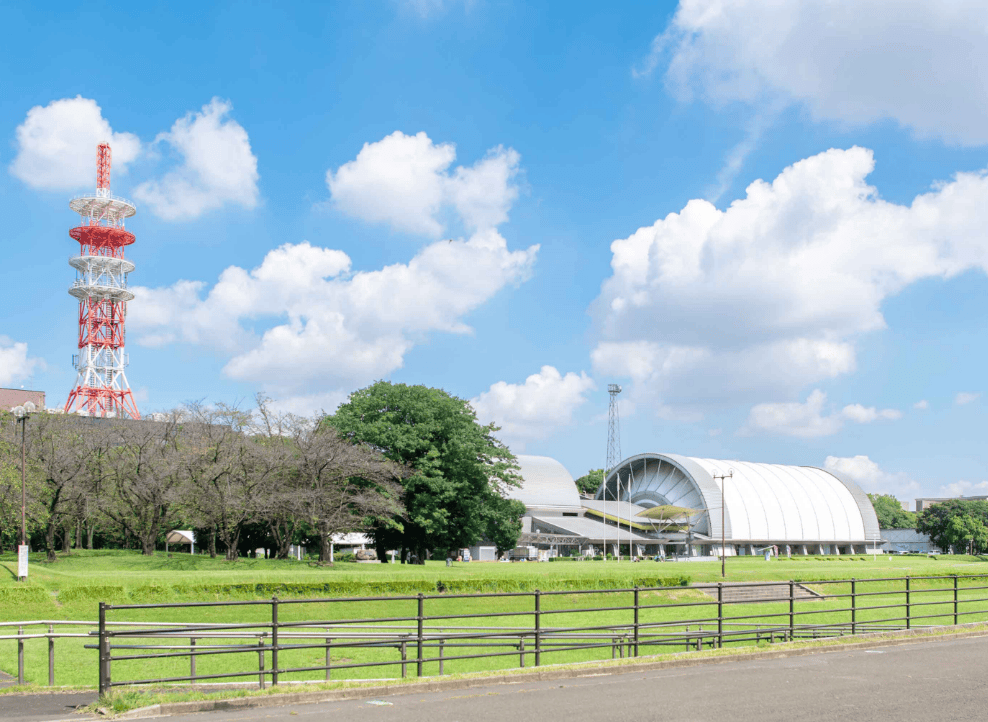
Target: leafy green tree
{"x": 454, "y": 494}
{"x": 502, "y": 522}
{"x": 968, "y": 532}
{"x": 937, "y": 521}
{"x": 890, "y": 513}
{"x": 591, "y": 481}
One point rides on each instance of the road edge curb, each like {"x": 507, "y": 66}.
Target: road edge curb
{"x": 548, "y": 673}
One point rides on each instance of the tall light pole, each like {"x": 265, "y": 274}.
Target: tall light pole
{"x": 723, "y": 516}
{"x": 22, "y": 413}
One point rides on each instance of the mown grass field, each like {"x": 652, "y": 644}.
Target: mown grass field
{"x": 71, "y": 589}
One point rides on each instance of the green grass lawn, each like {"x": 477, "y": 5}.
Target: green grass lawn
{"x": 71, "y": 588}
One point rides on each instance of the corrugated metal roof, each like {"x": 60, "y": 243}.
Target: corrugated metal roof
{"x": 588, "y": 528}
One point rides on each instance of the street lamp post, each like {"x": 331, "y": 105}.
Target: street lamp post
{"x": 22, "y": 413}
{"x": 723, "y": 516}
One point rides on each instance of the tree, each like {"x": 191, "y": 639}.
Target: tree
{"x": 590, "y": 482}
{"x": 227, "y": 471}
{"x": 890, "y": 513}
{"x": 341, "y": 487}
{"x": 145, "y": 470}
{"x": 937, "y": 521}
{"x": 967, "y": 531}
{"x": 55, "y": 448}
{"x": 459, "y": 469}
{"x": 325, "y": 484}
{"x": 502, "y": 522}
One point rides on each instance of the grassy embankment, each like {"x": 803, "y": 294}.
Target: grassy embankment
{"x": 71, "y": 588}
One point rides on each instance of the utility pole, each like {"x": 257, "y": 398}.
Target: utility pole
{"x": 723, "y": 516}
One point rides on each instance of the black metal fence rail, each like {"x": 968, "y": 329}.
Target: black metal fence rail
{"x": 642, "y": 620}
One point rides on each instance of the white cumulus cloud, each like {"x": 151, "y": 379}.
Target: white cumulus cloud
{"x": 338, "y": 329}
{"x": 808, "y": 419}
{"x": 922, "y": 405}
{"x": 758, "y": 301}
{"x": 535, "y": 409}
{"x": 405, "y": 182}
{"x": 871, "y": 477}
{"x": 965, "y": 397}
{"x": 15, "y": 363}
{"x": 217, "y": 166}
{"x": 306, "y": 328}
{"x": 852, "y": 61}
{"x": 964, "y": 488}
{"x": 56, "y": 145}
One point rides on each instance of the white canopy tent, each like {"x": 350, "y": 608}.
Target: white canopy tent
{"x": 181, "y": 536}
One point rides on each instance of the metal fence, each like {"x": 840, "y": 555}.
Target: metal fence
{"x": 509, "y": 629}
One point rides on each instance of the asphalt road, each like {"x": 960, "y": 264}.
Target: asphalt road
{"x": 43, "y": 707}
{"x": 943, "y": 680}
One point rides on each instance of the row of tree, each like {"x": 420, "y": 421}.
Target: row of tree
{"x": 408, "y": 464}
{"x": 959, "y": 524}
{"x": 890, "y": 513}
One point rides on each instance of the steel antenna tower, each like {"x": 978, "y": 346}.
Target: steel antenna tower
{"x": 613, "y": 453}
{"x": 101, "y": 387}
{"x": 613, "y": 429}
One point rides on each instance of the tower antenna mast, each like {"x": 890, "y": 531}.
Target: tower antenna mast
{"x": 613, "y": 454}
{"x": 101, "y": 387}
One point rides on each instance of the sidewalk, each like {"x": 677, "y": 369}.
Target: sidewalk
{"x": 46, "y": 707}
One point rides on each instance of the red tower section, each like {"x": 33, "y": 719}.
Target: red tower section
{"x": 101, "y": 287}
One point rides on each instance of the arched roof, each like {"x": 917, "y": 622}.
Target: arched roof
{"x": 764, "y": 501}
{"x": 546, "y": 485}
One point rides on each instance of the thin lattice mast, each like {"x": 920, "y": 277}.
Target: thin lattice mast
{"x": 101, "y": 387}
{"x": 613, "y": 429}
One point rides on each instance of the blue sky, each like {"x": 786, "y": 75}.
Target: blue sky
{"x": 765, "y": 220}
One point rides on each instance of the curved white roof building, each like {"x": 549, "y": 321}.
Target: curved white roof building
{"x": 765, "y": 502}
{"x": 546, "y": 486}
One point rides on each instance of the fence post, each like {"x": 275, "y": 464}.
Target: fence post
{"x": 636, "y": 620}
{"x": 103, "y": 686}
{"x": 329, "y": 658}
{"x": 192, "y": 659}
{"x": 792, "y": 609}
{"x": 854, "y": 607}
{"x": 51, "y": 655}
{"x": 720, "y": 614}
{"x": 521, "y": 651}
{"x": 908, "y": 607}
{"x": 421, "y": 616}
{"x": 538, "y": 627}
{"x": 404, "y": 658}
{"x": 441, "y": 643}
{"x": 955, "y": 600}
{"x": 260, "y": 662}
{"x": 20, "y": 655}
{"x": 274, "y": 640}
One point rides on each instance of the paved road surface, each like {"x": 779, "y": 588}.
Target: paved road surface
{"x": 41, "y": 707}
{"x": 944, "y": 680}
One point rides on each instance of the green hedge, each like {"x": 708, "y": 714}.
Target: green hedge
{"x": 115, "y": 594}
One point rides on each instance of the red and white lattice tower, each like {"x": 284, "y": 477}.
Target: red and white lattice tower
{"x": 101, "y": 387}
